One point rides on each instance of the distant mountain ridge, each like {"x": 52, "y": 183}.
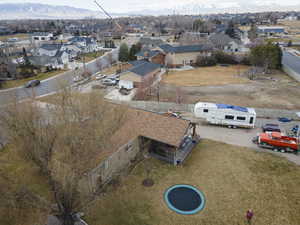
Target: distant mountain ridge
{"x": 43, "y": 11}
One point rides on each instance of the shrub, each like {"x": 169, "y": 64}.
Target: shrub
{"x": 206, "y": 61}
{"x": 224, "y": 58}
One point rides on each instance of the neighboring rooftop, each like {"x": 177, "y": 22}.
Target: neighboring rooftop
{"x": 144, "y": 68}
{"x": 184, "y": 48}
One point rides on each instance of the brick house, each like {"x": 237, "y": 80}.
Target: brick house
{"x": 176, "y": 56}
{"x": 166, "y": 138}
{"x": 140, "y": 74}
{"x": 154, "y": 56}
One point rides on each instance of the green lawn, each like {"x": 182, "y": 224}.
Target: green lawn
{"x": 41, "y": 76}
{"x": 233, "y": 179}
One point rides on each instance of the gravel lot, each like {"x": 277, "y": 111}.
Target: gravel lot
{"x": 243, "y": 137}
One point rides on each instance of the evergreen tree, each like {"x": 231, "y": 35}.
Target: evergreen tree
{"x": 230, "y": 31}
{"x": 252, "y": 33}
{"x": 267, "y": 55}
{"x": 123, "y": 53}
{"x": 133, "y": 51}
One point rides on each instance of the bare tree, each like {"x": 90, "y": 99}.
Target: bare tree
{"x": 64, "y": 141}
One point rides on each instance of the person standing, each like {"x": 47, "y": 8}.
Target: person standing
{"x": 249, "y": 215}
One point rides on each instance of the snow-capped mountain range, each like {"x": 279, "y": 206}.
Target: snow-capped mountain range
{"x": 43, "y": 11}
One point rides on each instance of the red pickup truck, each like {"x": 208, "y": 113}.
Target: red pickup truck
{"x": 277, "y": 142}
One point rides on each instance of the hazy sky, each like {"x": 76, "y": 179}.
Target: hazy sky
{"x": 132, "y": 5}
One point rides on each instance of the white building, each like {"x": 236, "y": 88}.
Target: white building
{"x": 41, "y": 36}
{"x": 223, "y": 114}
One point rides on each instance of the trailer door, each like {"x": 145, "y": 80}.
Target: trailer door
{"x": 251, "y": 120}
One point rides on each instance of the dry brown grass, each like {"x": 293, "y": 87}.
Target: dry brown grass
{"x": 20, "y": 36}
{"x": 232, "y": 178}
{"x": 206, "y": 76}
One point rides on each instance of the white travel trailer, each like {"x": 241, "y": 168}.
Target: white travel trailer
{"x": 228, "y": 115}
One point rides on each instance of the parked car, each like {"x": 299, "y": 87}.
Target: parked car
{"x": 100, "y": 76}
{"x": 77, "y": 78}
{"x": 270, "y": 127}
{"x": 110, "y": 82}
{"x": 32, "y": 83}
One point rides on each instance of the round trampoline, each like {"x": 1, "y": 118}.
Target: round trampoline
{"x": 184, "y": 199}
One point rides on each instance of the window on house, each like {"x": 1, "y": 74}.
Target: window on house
{"x": 205, "y": 110}
{"x": 241, "y": 118}
{"x": 229, "y": 117}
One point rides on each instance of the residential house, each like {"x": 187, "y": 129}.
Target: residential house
{"x": 88, "y": 44}
{"x": 154, "y": 56}
{"x": 49, "y": 49}
{"x": 141, "y": 74}
{"x": 166, "y": 138}
{"x": 59, "y": 61}
{"x": 227, "y": 44}
{"x": 150, "y": 42}
{"x": 72, "y": 50}
{"x": 7, "y": 68}
{"x": 176, "y": 56}
{"x": 270, "y": 31}
{"x": 193, "y": 38}
{"x": 5, "y": 30}
{"x": 41, "y": 36}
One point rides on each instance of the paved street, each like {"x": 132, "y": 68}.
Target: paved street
{"x": 291, "y": 61}
{"x": 53, "y": 84}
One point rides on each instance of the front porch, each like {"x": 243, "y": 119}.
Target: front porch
{"x": 168, "y": 153}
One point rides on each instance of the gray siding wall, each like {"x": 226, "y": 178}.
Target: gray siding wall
{"x": 110, "y": 167}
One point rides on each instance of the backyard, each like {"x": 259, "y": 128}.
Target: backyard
{"x": 233, "y": 180}
{"x": 276, "y": 90}
{"x": 215, "y": 75}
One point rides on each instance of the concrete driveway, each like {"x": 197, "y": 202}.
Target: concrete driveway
{"x": 243, "y": 137}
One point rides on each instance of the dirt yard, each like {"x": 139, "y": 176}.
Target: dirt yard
{"x": 206, "y": 76}
{"x": 265, "y": 183}
{"x": 276, "y": 91}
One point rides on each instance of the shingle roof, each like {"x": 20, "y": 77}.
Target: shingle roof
{"x": 184, "y": 48}
{"x": 145, "y": 68}
{"x": 136, "y": 62}
{"x": 148, "y": 53}
{"x": 41, "y": 60}
{"x": 51, "y": 47}
{"x": 169, "y": 130}
{"x": 222, "y": 39}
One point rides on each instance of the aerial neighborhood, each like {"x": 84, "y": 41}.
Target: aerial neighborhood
{"x": 130, "y": 119}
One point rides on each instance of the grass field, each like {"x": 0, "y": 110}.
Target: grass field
{"x": 233, "y": 179}
{"x": 203, "y": 76}
{"x": 41, "y": 76}
{"x": 21, "y": 36}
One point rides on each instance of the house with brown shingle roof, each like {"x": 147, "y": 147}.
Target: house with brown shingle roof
{"x": 163, "y": 137}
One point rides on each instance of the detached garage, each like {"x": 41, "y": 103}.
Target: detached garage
{"x": 143, "y": 72}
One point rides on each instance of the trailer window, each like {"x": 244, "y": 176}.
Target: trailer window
{"x": 229, "y": 117}
{"x": 205, "y": 110}
{"x": 241, "y": 118}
